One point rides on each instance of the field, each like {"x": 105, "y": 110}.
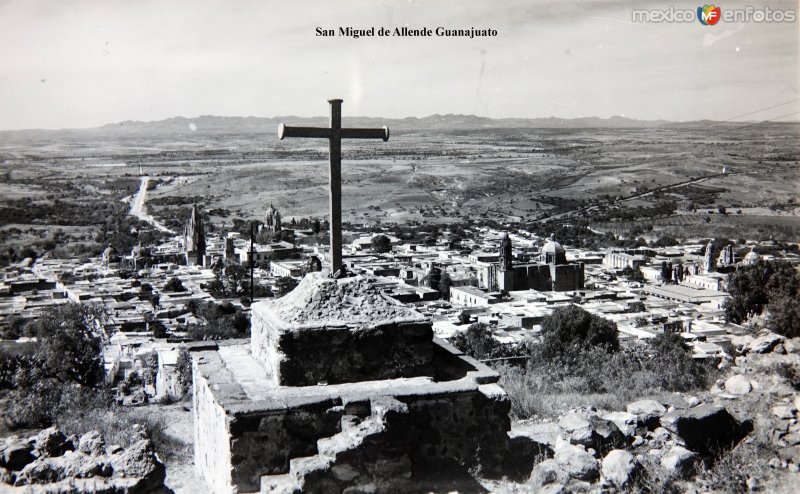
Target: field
{"x": 690, "y": 181}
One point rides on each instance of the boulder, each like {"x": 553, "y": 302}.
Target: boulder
{"x": 15, "y": 455}
{"x": 82, "y": 466}
{"x": 741, "y": 343}
{"x": 547, "y": 473}
{"x": 765, "y": 342}
{"x": 705, "y": 428}
{"x": 592, "y": 431}
{"x": 647, "y": 411}
{"x": 92, "y": 443}
{"x": 738, "y": 385}
{"x": 625, "y": 422}
{"x": 53, "y": 442}
{"x": 44, "y": 470}
{"x": 576, "y": 461}
{"x": 140, "y": 461}
{"x": 619, "y": 467}
{"x": 678, "y": 462}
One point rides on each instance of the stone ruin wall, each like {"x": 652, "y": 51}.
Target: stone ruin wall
{"x": 263, "y": 341}
{"x": 212, "y": 452}
{"x": 332, "y": 355}
{"x": 263, "y": 441}
{"x": 469, "y": 428}
{"x": 234, "y": 449}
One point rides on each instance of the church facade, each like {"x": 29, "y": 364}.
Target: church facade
{"x": 272, "y": 220}
{"x": 552, "y": 273}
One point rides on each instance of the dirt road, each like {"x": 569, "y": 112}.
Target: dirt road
{"x": 138, "y": 207}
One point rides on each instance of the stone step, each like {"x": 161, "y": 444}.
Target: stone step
{"x": 280, "y": 484}
{"x": 352, "y": 436}
{"x": 299, "y": 468}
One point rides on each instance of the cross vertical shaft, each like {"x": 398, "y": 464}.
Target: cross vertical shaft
{"x": 335, "y": 184}
{"x": 335, "y": 133}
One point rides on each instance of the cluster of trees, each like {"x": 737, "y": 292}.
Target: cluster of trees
{"x": 772, "y": 286}
{"x": 441, "y": 281}
{"x": 580, "y": 354}
{"x": 221, "y": 321}
{"x": 65, "y": 362}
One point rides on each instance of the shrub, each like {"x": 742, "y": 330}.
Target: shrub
{"x": 572, "y": 328}
{"x": 184, "y": 365}
{"x": 150, "y": 371}
{"x": 174, "y": 285}
{"x": 551, "y": 383}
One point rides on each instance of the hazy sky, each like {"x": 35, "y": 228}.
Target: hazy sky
{"x": 87, "y": 63}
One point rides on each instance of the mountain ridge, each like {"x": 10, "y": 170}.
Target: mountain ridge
{"x": 449, "y": 121}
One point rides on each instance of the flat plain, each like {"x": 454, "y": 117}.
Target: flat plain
{"x": 738, "y": 181}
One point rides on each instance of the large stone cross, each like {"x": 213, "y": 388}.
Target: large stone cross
{"x": 335, "y": 133}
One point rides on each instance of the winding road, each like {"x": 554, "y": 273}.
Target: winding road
{"x": 138, "y": 208}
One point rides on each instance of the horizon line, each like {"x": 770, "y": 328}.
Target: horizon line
{"x": 659, "y": 121}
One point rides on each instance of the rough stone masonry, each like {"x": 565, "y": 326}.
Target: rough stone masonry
{"x": 340, "y": 387}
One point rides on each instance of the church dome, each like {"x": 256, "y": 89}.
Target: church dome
{"x": 553, "y": 253}
{"x": 552, "y": 247}
{"x": 751, "y": 257}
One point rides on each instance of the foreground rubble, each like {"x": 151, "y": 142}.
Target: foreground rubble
{"x": 676, "y": 440}
{"x": 52, "y": 462}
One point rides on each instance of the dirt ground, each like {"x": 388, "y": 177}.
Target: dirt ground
{"x": 181, "y": 477}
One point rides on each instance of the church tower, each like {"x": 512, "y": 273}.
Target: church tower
{"x": 709, "y": 266}
{"x": 272, "y": 219}
{"x": 505, "y": 276}
{"x": 194, "y": 238}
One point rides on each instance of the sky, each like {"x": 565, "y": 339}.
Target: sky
{"x": 86, "y": 63}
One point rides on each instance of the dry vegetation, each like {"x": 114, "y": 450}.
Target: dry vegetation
{"x": 617, "y": 180}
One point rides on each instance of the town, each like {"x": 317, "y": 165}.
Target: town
{"x": 507, "y": 279}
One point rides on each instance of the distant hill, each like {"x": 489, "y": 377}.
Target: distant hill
{"x": 210, "y": 124}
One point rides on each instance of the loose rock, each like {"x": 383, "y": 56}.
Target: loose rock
{"x": 648, "y": 412}
{"x": 738, "y": 385}
{"x": 619, "y": 467}
{"x": 52, "y": 442}
{"x": 678, "y": 462}
{"x": 705, "y": 428}
{"x": 546, "y": 473}
{"x": 577, "y": 462}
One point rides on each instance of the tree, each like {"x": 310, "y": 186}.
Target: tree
{"x": 445, "y": 282}
{"x": 229, "y": 281}
{"x": 477, "y": 341}
{"x": 754, "y": 288}
{"x": 434, "y": 276}
{"x": 666, "y": 272}
{"x": 570, "y": 327}
{"x": 184, "y": 367}
{"x": 68, "y": 349}
{"x": 317, "y": 226}
{"x": 464, "y": 317}
{"x": 381, "y": 244}
{"x": 174, "y": 285}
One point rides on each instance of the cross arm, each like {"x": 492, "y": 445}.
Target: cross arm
{"x": 366, "y": 133}
{"x": 286, "y": 131}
